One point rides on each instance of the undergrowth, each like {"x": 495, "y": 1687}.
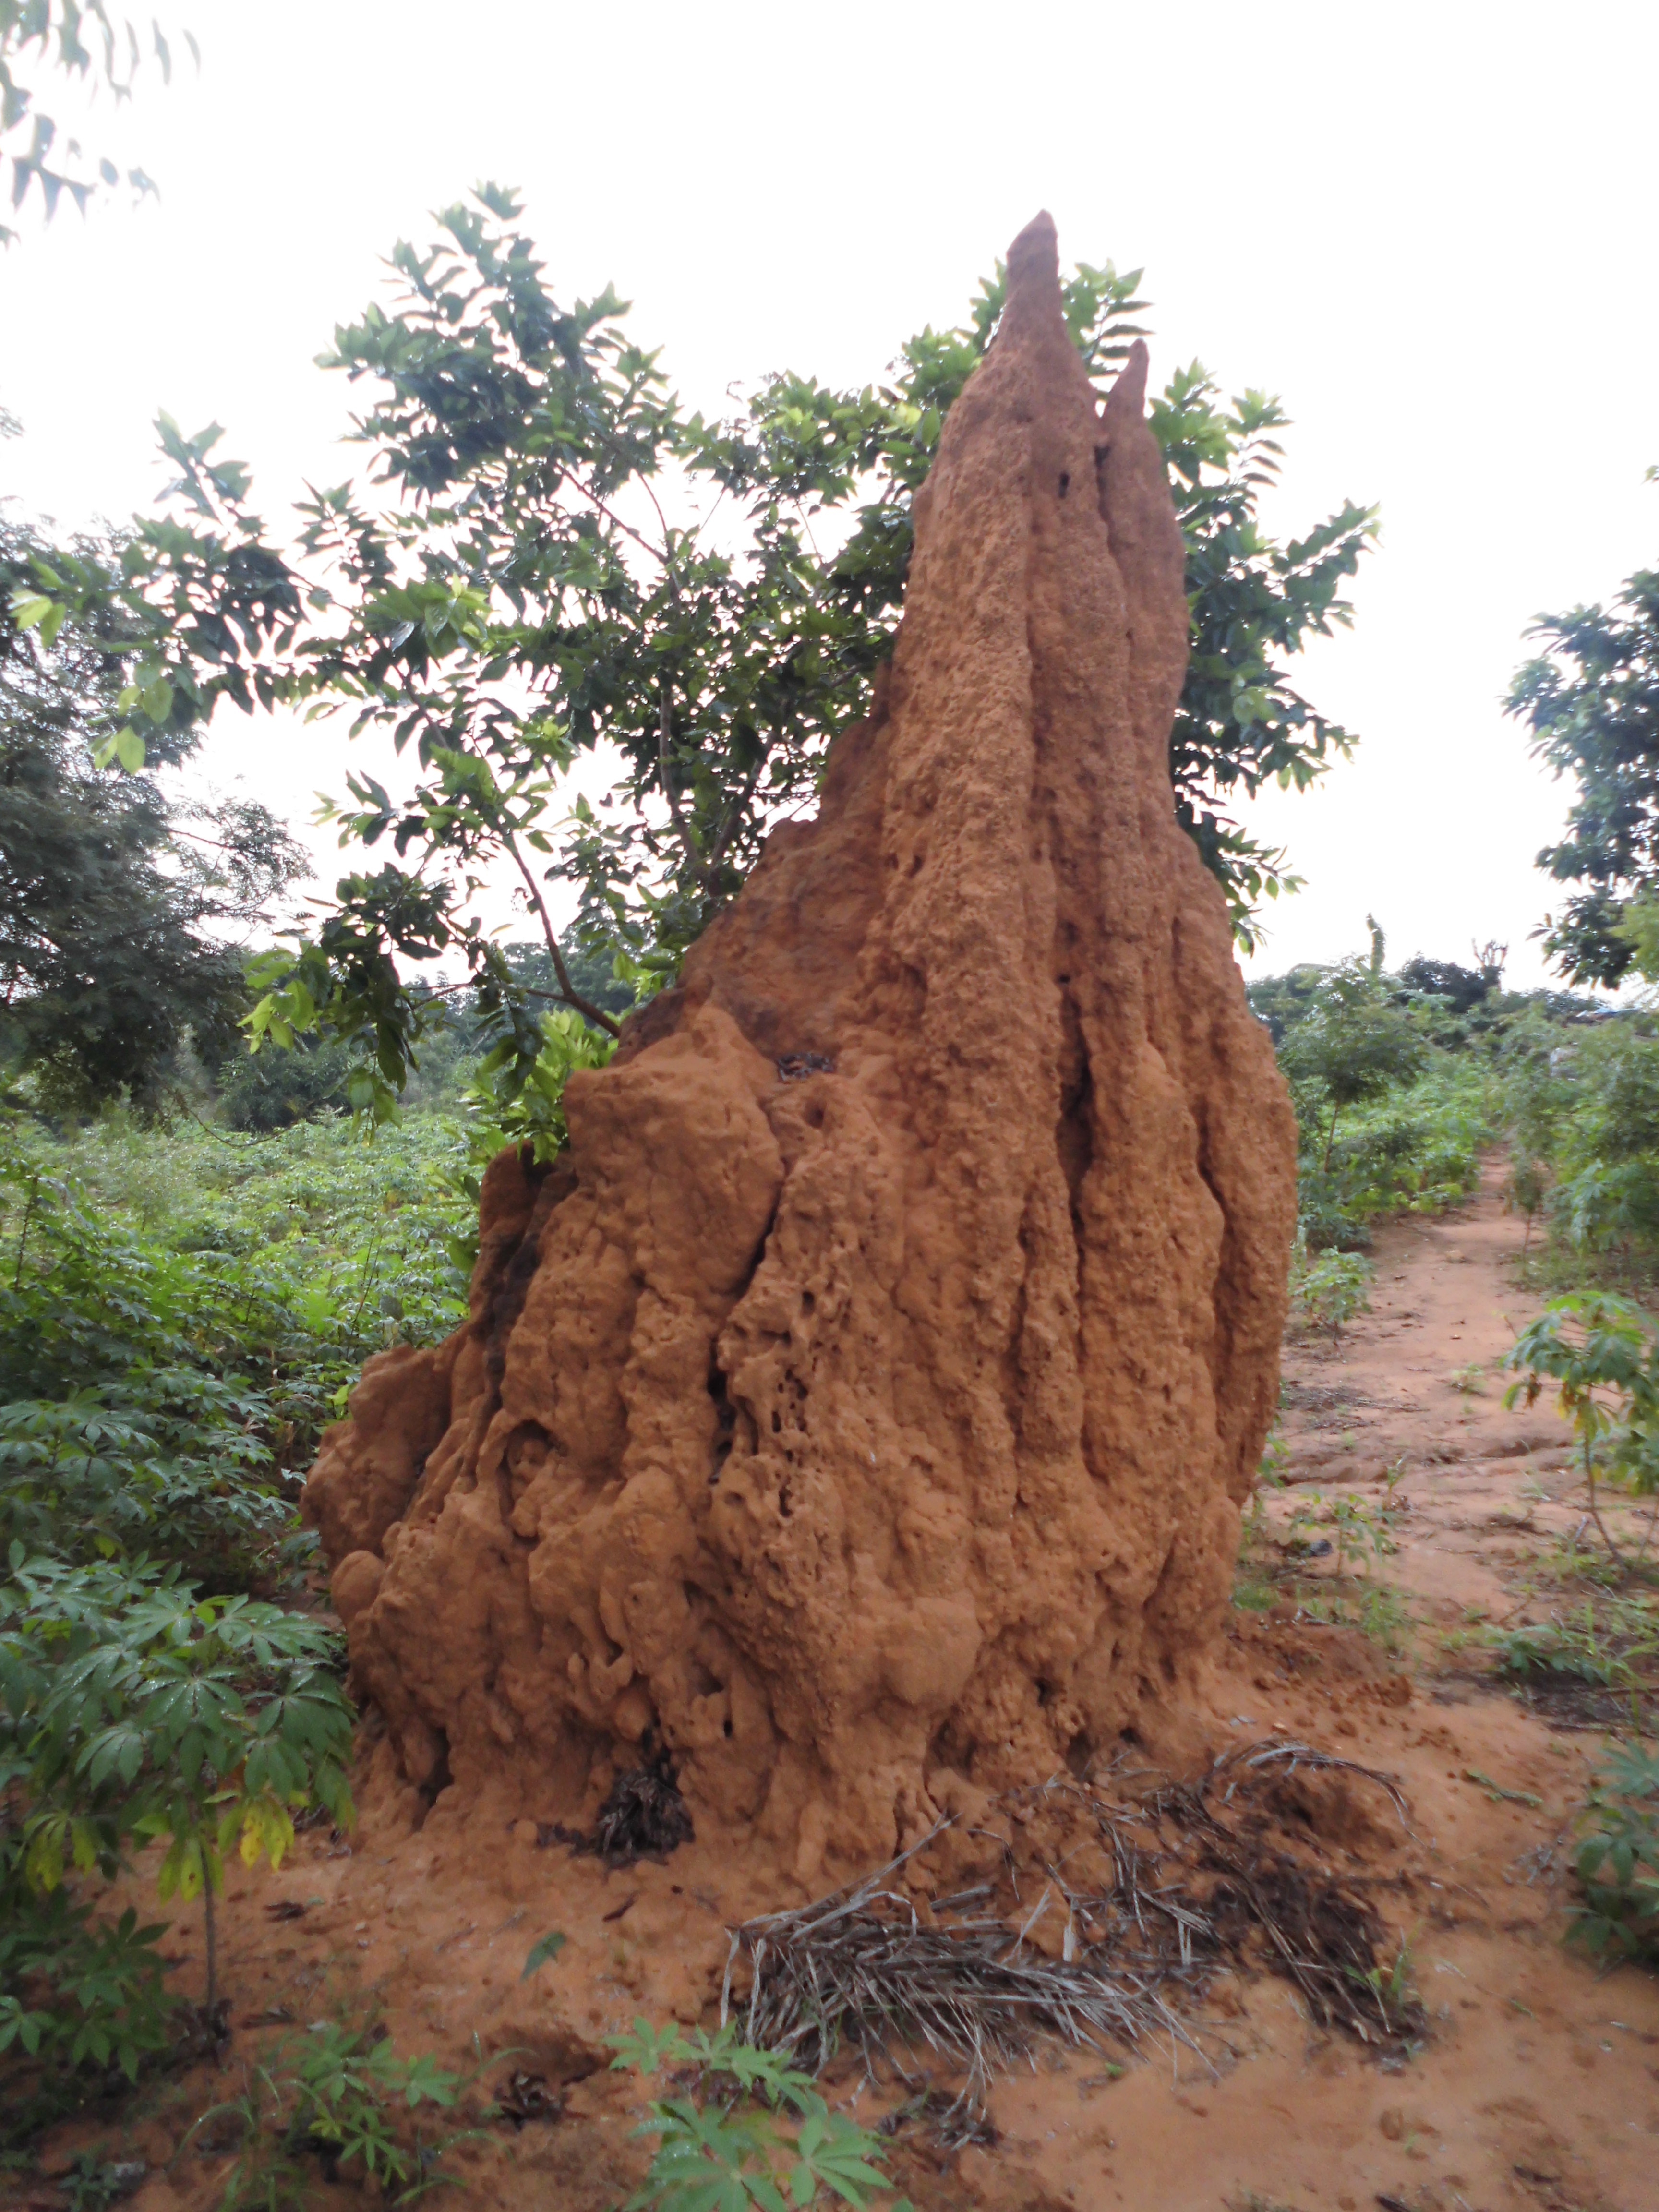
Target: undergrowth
{"x": 181, "y": 1313}
{"x": 1617, "y": 1862}
{"x": 744, "y": 2128}
{"x": 334, "y": 2101}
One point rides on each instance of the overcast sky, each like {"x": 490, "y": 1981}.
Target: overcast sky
{"x": 1428, "y": 227}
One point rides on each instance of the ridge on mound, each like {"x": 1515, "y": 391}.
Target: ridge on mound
{"x": 857, "y": 1414}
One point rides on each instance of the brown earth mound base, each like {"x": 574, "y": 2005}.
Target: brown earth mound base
{"x": 854, "y": 1420}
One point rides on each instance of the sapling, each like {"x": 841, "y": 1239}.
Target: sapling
{"x": 134, "y": 1710}
{"x": 1333, "y": 1289}
{"x": 755, "y": 2129}
{"x": 1602, "y": 1354}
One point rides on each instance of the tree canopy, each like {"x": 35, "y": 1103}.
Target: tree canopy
{"x": 117, "y": 896}
{"x": 547, "y": 553}
{"x": 1591, "y": 701}
{"x": 69, "y": 39}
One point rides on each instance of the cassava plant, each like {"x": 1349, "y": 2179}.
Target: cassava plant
{"x": 180, "y": 1316}
{"x": 751, "y": 2132}
{"x": 1602, "y": 1354}
{"x": 1617, "y": 1862}
{"x": 133, "y": 1709}
{"x": 1356, "y": 1043}
{"x": 1330, "y": 1289}
{"x": 335, "y": 2099}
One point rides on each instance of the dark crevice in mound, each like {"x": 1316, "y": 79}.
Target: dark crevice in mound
{"x": 643, "y": 1816}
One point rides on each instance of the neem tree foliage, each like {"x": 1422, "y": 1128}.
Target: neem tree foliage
{"x": 550, "y": 553}
{"x": 1591, "y": 699}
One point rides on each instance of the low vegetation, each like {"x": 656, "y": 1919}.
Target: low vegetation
{"x": 180, "y": 1313}
{"x": 334, "y": 2101}
{"x": 1617, "y": 1862}
{"x": 744, "y": 2128}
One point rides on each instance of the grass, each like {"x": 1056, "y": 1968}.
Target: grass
{"x": 1378, "y": 1610}
{"x": 1603, "y": 1640}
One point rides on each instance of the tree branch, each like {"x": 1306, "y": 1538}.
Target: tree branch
{"x": 734, "y": 810}
{"x": 572, "y": 997}
{"x": 682, "y": 827}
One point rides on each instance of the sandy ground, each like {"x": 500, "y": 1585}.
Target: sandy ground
{"x": 1537, "y": 2085}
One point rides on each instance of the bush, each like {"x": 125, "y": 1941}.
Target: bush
{"x": 1330, "y": 1290}
{"x": 272, "y": 1089}
{"x": 1601, "y": 1353}
{"x": 1618, "y": 1862}
{"x": 1355, "y": 1044}
{"x": 331, "y": 2094}
{"x": 134, "y": 1710}
{"x": 180, "y": 1313}
{"x": 753, "y": 2128}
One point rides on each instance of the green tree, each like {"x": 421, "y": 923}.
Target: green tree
{"x": 1591, "y": 701}
{"x": 1356, "y": 1042}
{"x": 555, "y": 554}
{"x": 71, "y": 38}
{"x": 116, "y": 896}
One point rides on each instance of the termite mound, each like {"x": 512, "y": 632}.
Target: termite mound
{"x": 858, "y": 1413}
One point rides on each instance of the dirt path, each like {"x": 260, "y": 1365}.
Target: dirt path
{"x": 1538, "y": 2084}
{"x": 1416, "y": 1386}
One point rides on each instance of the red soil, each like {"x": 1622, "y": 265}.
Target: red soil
{"x": 1539, "y": 2086}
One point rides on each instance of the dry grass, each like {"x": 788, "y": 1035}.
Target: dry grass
{"x": 1104, "y": 1910}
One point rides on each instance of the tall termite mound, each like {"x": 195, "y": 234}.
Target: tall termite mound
{"x": 860, "y": 1409}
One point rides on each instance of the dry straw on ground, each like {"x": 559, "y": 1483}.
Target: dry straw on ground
{"x": 1152, "y": 1887}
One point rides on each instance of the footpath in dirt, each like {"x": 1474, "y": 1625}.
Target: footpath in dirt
{"x": 1531, "y": 2080}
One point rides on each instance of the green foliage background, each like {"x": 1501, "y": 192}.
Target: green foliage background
{"x": 181, "y": 1312}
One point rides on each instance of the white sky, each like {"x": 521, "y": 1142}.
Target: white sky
{"x": 1428, "y": 227}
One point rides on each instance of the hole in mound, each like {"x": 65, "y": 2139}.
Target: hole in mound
{"x": 644, "y": 1815}
{"x": 527, "y": 1453}
{"x": 436, "y": 1780}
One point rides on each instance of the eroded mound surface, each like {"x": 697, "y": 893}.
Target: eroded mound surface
{"x": 859, "y": 1413}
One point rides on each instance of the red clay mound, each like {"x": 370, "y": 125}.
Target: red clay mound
{"x": 859, "y": 1411}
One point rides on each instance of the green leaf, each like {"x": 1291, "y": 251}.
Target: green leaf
{"x": 548, "y": 1947}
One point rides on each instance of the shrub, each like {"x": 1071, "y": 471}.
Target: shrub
{"x": 1616, "y": 1864}
{"x": 1331, "y": 1289}
{"x": 179, "y": 1315}
{"x": 134, "y": 1710}
{"x": 1602, "y": 1354}
{"x": 331, "y": 2094}
{"x": 753, "y": 2130}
